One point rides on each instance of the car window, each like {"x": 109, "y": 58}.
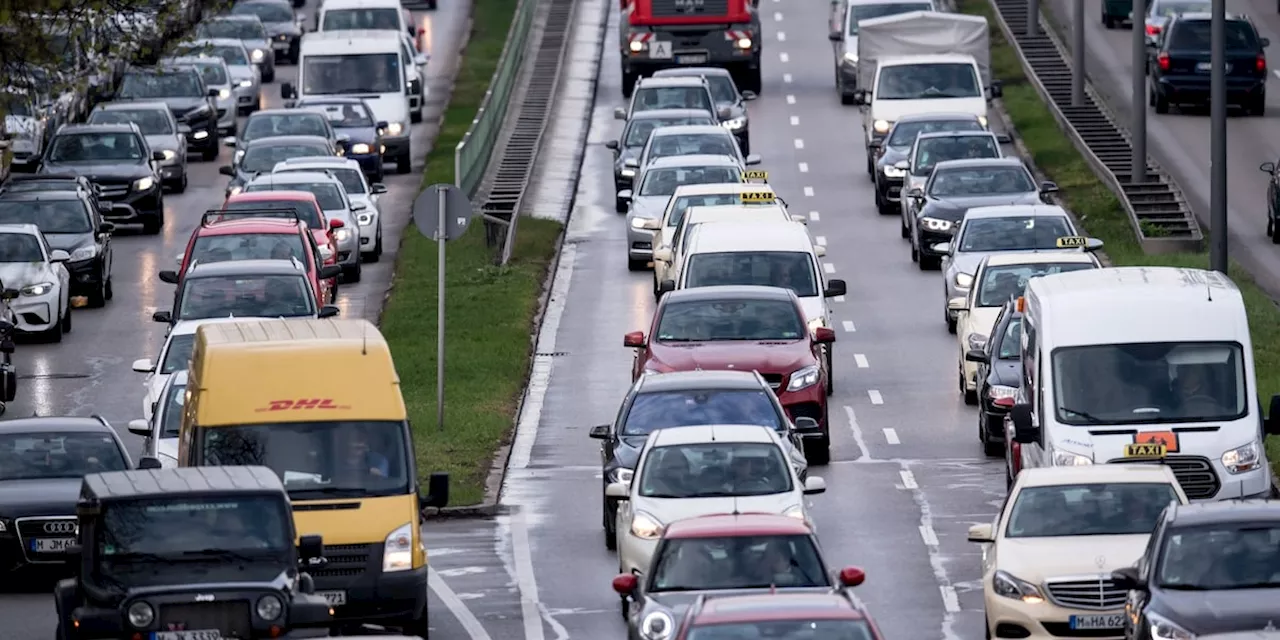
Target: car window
{"x": 683, "y": 144}
{"x": 20, "y": 247}
{"x": 327, "y": 194}
{"x": 904, "y": 133}
{"x": 247, "y": 296}
{"x": 683, "y": 203}
{"x": 663, "y": 181}
{"x": 1102, "y": 509}
{"x": 176, "y": 84}
{"x": 213, "y": 74}
{"x": 343, "y": 114}
{"x": 1193, "y": 35}
{"x": 231, "y": 55}
{"x": 177, "y": 355}
{"x": 722, "y": 88}
{"x": 1013, "y": 233}
{"x": 1003, "y": 282}
{"x": 51, "y": 216}
{"x": 716, "y": 469}
{"x": 97, "y": 147}
{"x": 787, "y": 269}
{"x": 648, "y": 98}
{"x": 664, "y": 409}
{"x": 38, "y": 455}
{"x": 351, "y": 179}
{"x": 1011, "y": 344}
{"x": 236, "y": 29}
{"x": 171, "y": 418}
{"x": 926, "y": 81}
{"x": 980, "y": 181}
{"x": 249, "y": 246}
{"x": 730, "y": 319}
{"x": 270, "y": 125}
{"x": 931, "y": 151}
{"x": 737, "y": 562}
{"x": 368, "y": 18}
{"x": 783, "y": 629}
{"x": 639, "y": 129}
{"x": 151, "y": 122}
{"x": 264, "y": 157}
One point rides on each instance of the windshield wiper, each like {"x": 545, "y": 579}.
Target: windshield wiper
{"x": 1268, "y": 584}
{"x": 220, "y": 553}
{"x": 343, "y": 492}
{"x": 1087, "y": 416}
{"x": 1187, "y": 587}
{"x": 139, "y": 556}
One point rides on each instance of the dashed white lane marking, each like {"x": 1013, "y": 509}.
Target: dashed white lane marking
{"x": 795, "y": 120}
{"x": 863, "y": 451}
{"x": 949, "y": 598}
{"x": 908, "y": 479}
{"x": 808, "y": 192}
{"x": 861, "y": 361}
{"x": 875, "y": 396}
{"x": 839, "y": 298}
{"x": 804, "y": 167}
{"x": 799, "y": 143}
{"x": 777, "y": 16}
{"x": 1277, "y": 72}
{"x": 848, "y": 326}
{"x": 455, "y": 606}
{"x": 820, "y": 241}
{"x": 792, "y": 100}
{"x": 786, "y": 77}
{"x": 784, "y": 57}
{"x": 891, "y": 436}
{"x": 813, "y": 215}
{"x": 927, "y": 534}
{"x": 782, "y": 36}
{"x": 828, "y": 267}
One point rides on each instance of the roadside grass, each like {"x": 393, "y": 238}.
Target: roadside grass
{"x": 489, "y": 309}
{"x": 1101, "y": 213}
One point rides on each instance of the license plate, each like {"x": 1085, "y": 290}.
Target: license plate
{"x": 202, "y": 634}
{"x": 1105, "y": 621}
{"x": 692, "y": 59}
{"x": 1145, "y": 450}
{"x": 1203, "y": 66}
{"x": 51, "y": 545}
{"x": 660, "y": 49}
{"x": 334, "y": 598}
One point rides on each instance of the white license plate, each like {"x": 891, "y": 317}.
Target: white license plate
{"x": 1203, "y": 66}
{"x": 660, "y": 49}
{"x": 334, "y": 597}
{"x": 51, "y": 545}
{"x": 202, "y": 634}
{"x": 695, "y": 59}
{"x": 1105, "y": 621}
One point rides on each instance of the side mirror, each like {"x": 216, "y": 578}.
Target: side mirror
{"x": 287, "y": 91}
{"x": 227, "y": 170}
{"x": 377, "y": 188}
{"x": 662, "y": 255}
{"x": 58, "y": 255}
{"x": 852, "y": 576}
{"x": 1264, "y": 42}
{"x": 310, "y": 547}
{"x": 381, "y": 125}
{"x": 612, "y": 145}
{"x": 824, "y": 335}
{"x": 212, "y": 93}
{"x": 10, "y": 294}
{"x": 805, "y": 424}
{"x": 169, "y": 277}
{"x": 835, "y": 36}
{"x": 634, "y": 340}
{"x": 359, "y": 206}
{"x": 144, "y": 366}
{"x": 1048, "y": 187}
{"x": 752, "y": 159}
{"x": 437, "y": 491}
{"x": 631, "y": 163}
{"x": 600, "y": 432}
{"x": 329, "y": 271}
{"x": 997, "y": 89}
{"x": 625, "y": 584}
{"x": 162, "y": 316}
{"x": 1271, "y": 425}
{"x": 724, "y": 113}
{"x": 749, "y": 95}
{"x": 158, "y": 156}
{"x": 139, "y": 427}
{"x": 148, "y": 462}
{"x": 328, "y": 311}
{"x": 1127, "y": 579}
{"x": 1004, "y": 138}
{"x": 420, "y": 59}
{"x": 981, "y": 533}
{"x": 229, "y": 141}
{"x": 942, "y": 247}
{"x": 903, "y": 165}
{"x": 184, "y": 129}
{"x": 619, "y": 490}
{"x": 860, "y": 97}
{"x": 1023, "y": 431}
{"x": 976, "y": 355}
{"x": 875, "y": 144}
{"x": 625, "y": 194}
{"x": 820, "y": 251}
{"x": 335, "y": 223}
{"x": 619, "y": 113}
{"x": 835, "y": 288}
{"x": 106, "y": 227}
{"x": 957, "y": 304}
{"x": 813, "y": 485}
{"x": 1267, "y": 167}
{"x": 666, "y": 286}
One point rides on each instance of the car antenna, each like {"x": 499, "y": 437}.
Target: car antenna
{"x": 713, "y": 435}
{"x": 1208, "y": 289}
{"x": 735, "y": 507}
{"x": 364, "y": 339}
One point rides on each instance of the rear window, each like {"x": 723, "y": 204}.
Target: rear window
{"x": 695, "y": 97}
{"x": 249, "y": 246}
{"x": 1194, "y": 35}
{"x": 904, "y": 134}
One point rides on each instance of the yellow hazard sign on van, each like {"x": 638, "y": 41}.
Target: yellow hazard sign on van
{"x": 758, "y": 197}
{"x": 755, "y": 176}
{"x": 1072, "y": 242}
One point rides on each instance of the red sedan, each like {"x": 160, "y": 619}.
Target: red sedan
{"x": 780, "y": 615}
{"x": 306, "y": 207}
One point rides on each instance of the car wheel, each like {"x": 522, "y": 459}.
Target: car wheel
{"x": 66, "y": 318}
{"x": 54, "y": 333}
{"x": 1273, "y": 230}
{"x": 404, "y": 163}
{"x": 351, "y": 273}
{"x": 211, "y": 153}
{"x": 831, "y": 378}
{"x": 1162, "y": 102}
{"x": 970, "y": 397}
{"x": 98, "y": 297}
{"x": 109, "y": 291}
{"x": 151, "y": 226}
{"x": 610, "y": 523}
{"x": 269, "y": 76}
{"x": 637, "y": 265}
{"x": 818, "y": 450}
{"x": 181, "y": 185}
{"x": 902, "y": 224}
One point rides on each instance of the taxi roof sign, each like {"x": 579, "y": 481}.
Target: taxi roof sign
{"x": 755, "y": 176}
{"x": 758, "y": 197}
{"x": 1078, "y": 242}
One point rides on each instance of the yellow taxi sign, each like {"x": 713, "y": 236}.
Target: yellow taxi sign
{"x": 757, "y": 197}
{"x": 1145, "y": 450}
{"x": 755, "y": 176}
{"x": 1072, "y": 242}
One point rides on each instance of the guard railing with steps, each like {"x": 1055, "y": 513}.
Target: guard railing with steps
{"x": 1156, "y": 207}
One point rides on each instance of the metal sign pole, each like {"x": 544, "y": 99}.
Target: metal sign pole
{"x": 1218, "y": 138}
{"x": 1138, "y": 170}
{"x": 1077, "y": 55}
{"x": 442, "y": 233}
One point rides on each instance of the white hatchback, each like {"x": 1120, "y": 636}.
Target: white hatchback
{"x": 174, "y": 356}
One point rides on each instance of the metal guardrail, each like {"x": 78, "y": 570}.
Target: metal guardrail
{"x": 471, "y": 156}
{"x": 1156, "y": 207}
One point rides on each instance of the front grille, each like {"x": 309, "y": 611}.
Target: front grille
{"x": 1100, "y": 594}
{"x": 1196, "y": 474}
{"x": 231, "y": 618}
{"x": 690, "y": 7}
{"x": 56, "y": 527}
{"x": 343, "y": 560}
{"x": 221, "y": 112}
{"x": 1064, "y": 630}
{"x": 774, "y": 380}
{"x": 112, "y": 189}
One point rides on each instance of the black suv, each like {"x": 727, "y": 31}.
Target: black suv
{"x": 182, "y": 88}
{"x": 1179, "y": 67}
{"x": 194, "y": 552}
{"x": 70, "y": 221}
{"x": 54, "y": 182}
{"x": 999, "y": 370}
{"x": 116, "y": 158}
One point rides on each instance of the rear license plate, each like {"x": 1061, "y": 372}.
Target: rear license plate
{"x": 334, "y": 598}
{"x": 203, "y": 634}
{"x": 1105, "y": 621}
{"x": 51, "y": 545}
{"x": 1203, "y": 66}
{"x": 691, "y": 59}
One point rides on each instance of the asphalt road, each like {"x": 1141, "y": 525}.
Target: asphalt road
{"x": 89, "y": 372}
{"x": 1180, "y": 141}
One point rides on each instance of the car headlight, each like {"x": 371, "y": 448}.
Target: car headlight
{"x": 963, "y": 280}
{"x": 397, "y": 552}
{"x": 245, "y": 84}
{"x": 795, "y": 511}
{"x": 891, "y": 171}
{"x": 638, "y": 223}
{"x": 257, "y": 55}
{"x": 646, "y": 526}
{"x": 361, "y": 149}
{"x": 1163, "y": 628}
{"x": 1242, "y": 459}
{"x": 395, "y": 128}
{"x": 934, "y": 224}
{"x": 1007, "y": 586}
{"x": 84, "y": 253}
{"x": 239, "y": 155}
{"x": 734, "y": 124}
{"x": 621, "y": 475}
{"x": 37, "y": 289}
{"x": 141, "y": 614}
{"x": 851, "y": 58}
{"x": 976, "y": 341}
{"x": 169, "y": 154}
{"x": 283, "y": 37}
{"x": 224, "y": 94}
{"x": 364, "y": 219}
{"x": 269, "y": 607}
{"x": 880, "y": 126}
{"x": 1068, "y": 459}
{"x": 200, "y": 135}
{"x": 234, "y": 190}
{"x": 628, "y": 173}
{"x": 804, "y": 378}
{"x": 657, "y": 626}
{"x": 982, "y": 120}
{"x": 342, "y": 234}
{"x": 142, "y": 184}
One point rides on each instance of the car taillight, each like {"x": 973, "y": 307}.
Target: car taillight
{"x": 1163, "y": 61}
{"x": 1153, "y": 29}
{"x": 1262, "y": 63}
{"x": 1006, "y": 403}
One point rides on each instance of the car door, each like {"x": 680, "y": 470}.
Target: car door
{"x": 970, "y": 299}
{"x": 64, "y": 276}
{"x": 102, "y": 237}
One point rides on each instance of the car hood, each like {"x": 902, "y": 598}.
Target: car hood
{"x": 968, "y": 262}
{"x": 814, "y": 307}
{"x": 1006, "y": 371}
{"x": 179, "y": 105}
{"x": 894, "y": 155}
{"x": 668, "y": 510}
{"x": 344, "y": 215}
{"x": 1038, "y": 559}
{"x": 281, "y": 28}
{"x": 240, "y": 72}
{"x": 166, "y": 142}
{"x": 953, "y": 208}
{"x": 981, "y": 320}
{"x": 736, "y": 109}
{"x": 742, "y": 355}
{"x": 366, "y": 200}
{"x": 648, "y": 206}
{"x": 677, "y": 601}
{"x": 628, "y": 153}
{"x": 892, "y": 110}
{"x": 68, "y": 241}
{"x": 359, "y": 134}
{"x": 97, "y": 171}
{"x": 256, "y": 43}
{"x": 627, "y": 450}
{"x": 390, "y": 107}
{"x": 39, "y": 497}
{"x": 1204, "y": 612}
{"x": 20, "y": 274}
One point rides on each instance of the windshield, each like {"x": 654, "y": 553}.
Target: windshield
{"x": 1000, "y": 284}
{"x": 349, "y": 19}
{"x": 931, "y": 151}
{"x": 657, "y": 410}
{"x": 176, "y": 84}
{"x": 787, "y": 269}
{"x": 717, "y": 469}
{"x": 663, "y": 182}
{"x": 327, "y": 194}
{"x": 1014, "y": 233}
{"x": 1012, "y": 341}
{"x": 193, "y": 527}
{"x": 178, "y": 355}
{"x": 263, "y": 158}
{"x": 1150, "y": 382}
{"x": 304, "y": 211}
{"x": 233, "y": 56}
{"x": 234, "y": 29}
{"x": 249, "y": 246}
{"x": 51, "y": 216}
{"x": 213, "y": 74}
{"x": 347, "y": 74}
{"x": 247, "y": 296}
{"x": 926, "y": 81}
{"x": 860, "y": 12}
{"x": 722, "y": 88}
{"x": 1166, "y": 9}
{"x": 682, "y": 204}
{"x": 266, "y": 11}
{"x": 29, "y": 456}
{"x": 904, "y": 133}
{"x": 1193, "y": 35}
{"x": 1221, "y": 556}
{"x": 152, "y": 122}
{"x": 297, "y": 123}
{"x": 97, "y": 148}
{"x": 343, "y": 114}
{"x": 171, "y": 420}
{"x": 640, "y": 128}
{"x": 784, "y": 630}
{"x": 737, "y": 562}
{"x": 732, "y": 319}
{"x": 683, "y": 144}
{"x": 318, "y": 459}
{"x": 20, "y": 247}
{"x": 15, "y": 104}
{"x": 981, "y": 181}
{"x": 1114, "y": 509}
{"x": 648, "y": 98}
{"x": 352, "y": 180}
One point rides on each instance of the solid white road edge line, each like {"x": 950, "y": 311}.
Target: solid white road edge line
{"x": 891, "y": 436}
{"x": 454, "y": 604}
{"x": 864, "y": 452}
{"x": 875, "y": 396}
{"x": 861, "y": 360}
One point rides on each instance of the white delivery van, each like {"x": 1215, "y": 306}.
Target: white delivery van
{"x": 351, "y": 15}
{"x": 359, "y": 64}
{"x": 845, "y": 16}
{"x": 922, "y": 62}
{"x": 1143, "y": 365}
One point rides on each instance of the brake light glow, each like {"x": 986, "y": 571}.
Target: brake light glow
{"x": 1005, "y": 403}
{"x": 1153, "y": 29}
{"x": 1262, "y": 63}
{"x": 1163, "y": 61}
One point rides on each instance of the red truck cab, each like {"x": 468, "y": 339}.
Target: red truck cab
{"x": 661, "y": 34}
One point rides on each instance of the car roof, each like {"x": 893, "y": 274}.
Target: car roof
{"x": 324, "y": 162}
{"x": 218, "y": 42}
{"x": 670, "y": 113}
{"x": 893, "y": 61}
{"x": 1007, "y": 161}
{"x": 295, "y": 177}
{"x": 777, "y": 606}
{"x": 973, "y": 133}
{"x": 114, "y": 127}
{"x": 292, "y": 111}
{"x": 1228, "y": 511}
{"x": 323, "y": 99}
{"x": 686, "y": 129}
{"x": 693, "y": 160}
{"x": 699, "y": 434}
{"x": 932, "y": 117}
{"x": 1201, "y": 15}
{"x": 360, "y": 40}
{"x": 124, "y": 105}
{"x": 1015, "y": 211}
{"x": 698, "y": 380}
{"x": 27, "y": 196}
{"x": 729, "y": 292}
{"x": 150, "y": 483}
{"x": 196, "y": 59}
{"x": 188, "y": 327}
{"x": 715, "y": 188}
{"x": 56, "y": 424}
{"x": 725, "y": 237}
{"x": 234, "y": 16}
{"x": 684, "y": 72}
{"x": 255, "y": 225}
{"x": 24, "y": 228}
{"x": 743, "y": 525}
{"x": 1099, "y": 474}
{"x": 1005, "y": 259}
{"x": 699, "y": 214}
{"x": 282, "y": 195}
{"x": 283, "y": 140}
{"x": 244, "y": 267}
{"x": 670, "y": 81}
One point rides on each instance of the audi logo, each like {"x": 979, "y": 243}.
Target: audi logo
{"x": 61, "y": 527}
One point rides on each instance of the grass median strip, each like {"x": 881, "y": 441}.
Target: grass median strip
{"x": 490, "y": 309}
{"x": 1101, "y": 213}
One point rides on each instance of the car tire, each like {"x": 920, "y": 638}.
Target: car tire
{"x": 1161, "y": 102}
{"x": 620, "y": 205}
{"x": 404, "y": 163}
{"x": 831, "y": 378}
{"x": 109, "y": 293}
{"x": 637, "y": 265}
{"x": 98, "y": 297}
{"x": 970, "y": 397}
{"x": 991, "y": 447}
{"x": 929, "y": 263}
{"x": 902, "y": 223}
{"x": 374, "y": 255}
{"x": 417, "y": 626}
{"x": 54, "y": 333}
{"x": 818, "y": 451}
{"x": 351, "y": 273}
{"x": 210, "y": 154}
{"x": 1273, "y": 230}
{"x": 152, "y": 225}
{"x": 628, "y": 83}
{"x": 66, "y": 318}
{"x": 180, "y": 185}
{"x": 610, "y": 524}
{"x": 269, "y": 76}
{"x": 951, "y": 322}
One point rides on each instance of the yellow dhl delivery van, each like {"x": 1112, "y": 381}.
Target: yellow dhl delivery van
{"x": 318, "y": 401}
